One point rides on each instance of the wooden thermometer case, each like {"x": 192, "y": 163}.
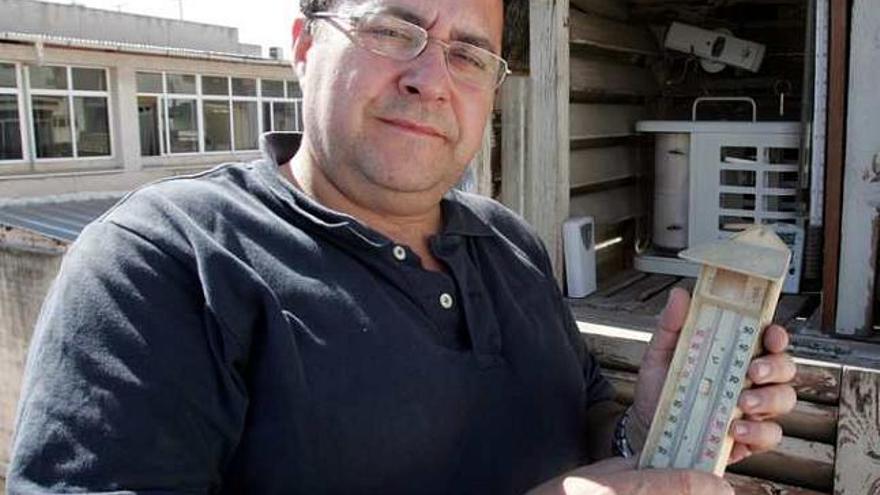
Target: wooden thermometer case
{"x": 734, "y": 299}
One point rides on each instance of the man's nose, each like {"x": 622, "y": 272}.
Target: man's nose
{"x": 427, "y": 75}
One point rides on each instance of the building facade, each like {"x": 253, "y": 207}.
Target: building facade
{"x": 84, "y": 115}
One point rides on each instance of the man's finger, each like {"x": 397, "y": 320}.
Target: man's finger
{"x": 773, "y": 368}
{"x": 768, "y": 401}
{"x": 757, "y": 436}
{"x": 775, "y": 339}
{"x": 740, "y": 451}
{"x": 671, "y": 320}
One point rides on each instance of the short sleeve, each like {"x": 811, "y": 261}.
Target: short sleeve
{"x": 131, "y": 386}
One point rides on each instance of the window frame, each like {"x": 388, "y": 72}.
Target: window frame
{"x": 297, "y": 107}
{"x": 168, "y": 97}
{"x": 200, "y": 97}
{"x": 230, "y": 99}
{"x": 19, "y": 92}
{"x": 70, "y": 93}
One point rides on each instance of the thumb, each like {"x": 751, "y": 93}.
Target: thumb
{"x": 672, "y": 318}
{"x": 669, "y": 482}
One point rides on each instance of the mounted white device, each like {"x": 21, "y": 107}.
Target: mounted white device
{"x": 717, "y": 49}
{"x": 579, "y": 246}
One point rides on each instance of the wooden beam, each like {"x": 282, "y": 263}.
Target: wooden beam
{"x": 836, "y": 350}
{"x": 622, "y": 349}
{"x": 746, "y": 485}
{"x": 604, "y": 120}
{"x": 546, "y": 203}
{"x": 860, "y": 234}
{"x": 596, "y": 165}
{"x": 597, "y": 77}
{"x": 835, "y": 146}
{"x": 793, "y": 461}
{"x": 514, "y": 137}
{"x": 607, "y": 98}
{"x": 607, "y": 34}
{"x": 612, "y": 9}
{"x": 610, "y": 206}
{"x": 603, "y": 185}
{"x": 808, "y": 421}
{"x": 588, "y": 143}
{"x": 857, "y": 470}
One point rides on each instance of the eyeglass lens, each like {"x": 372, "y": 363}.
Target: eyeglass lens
{"x": 398, "y": 39}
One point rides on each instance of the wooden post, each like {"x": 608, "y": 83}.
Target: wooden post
{"x": 477, "y": 178}
{"x": 857, "y": 466}
{"x": 837, "y": 56}
{"x": 860, "y": 234}
{"x": 546, "y": 201}
{"x": 514, "y": 153}
{"x": 483, "y": 163}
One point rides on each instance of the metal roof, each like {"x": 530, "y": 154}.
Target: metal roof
{"x": 125, "y": 47}
{"x": 60, "y": 219}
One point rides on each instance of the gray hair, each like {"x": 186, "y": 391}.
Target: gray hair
{"x": 516, "y": 18}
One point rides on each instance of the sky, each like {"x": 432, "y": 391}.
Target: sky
{"x": 260, "y": 22}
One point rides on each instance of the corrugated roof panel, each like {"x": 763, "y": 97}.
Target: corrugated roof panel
{"x": 61, "y": 220}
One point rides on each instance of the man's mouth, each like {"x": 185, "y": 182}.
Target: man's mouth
{"x": 414, "y": 127}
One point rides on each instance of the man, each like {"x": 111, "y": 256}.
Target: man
{"x": 333, "y": 319}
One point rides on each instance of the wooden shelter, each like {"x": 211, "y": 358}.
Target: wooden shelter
{"x": 566, "y": 126}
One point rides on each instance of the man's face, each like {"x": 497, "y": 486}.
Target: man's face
{"x": 379, "y": 126}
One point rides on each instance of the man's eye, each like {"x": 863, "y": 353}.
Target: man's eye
{"x": 386, "y": 32}
{"x": 468, "y": 59}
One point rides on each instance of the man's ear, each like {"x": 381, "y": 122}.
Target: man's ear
{"x": 302, "y": 41}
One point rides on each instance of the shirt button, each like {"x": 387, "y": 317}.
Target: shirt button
{"x": 399, "y": 253}
{"x": 446, "y": 301}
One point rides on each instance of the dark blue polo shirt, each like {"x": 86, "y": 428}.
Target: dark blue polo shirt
{"x": 224, "y": 333}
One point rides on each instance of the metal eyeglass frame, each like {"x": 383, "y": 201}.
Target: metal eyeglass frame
{"x": 351, "y": 34}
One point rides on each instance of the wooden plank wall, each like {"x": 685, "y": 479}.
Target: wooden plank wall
{"x": 590, "y": 69}
{"x": 857, "y": 469}
{"x": 861, "y": 200}
{"x": 611, "y": 84}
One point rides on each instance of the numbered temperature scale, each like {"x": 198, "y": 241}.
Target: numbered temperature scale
{"x": 735, "y": 298}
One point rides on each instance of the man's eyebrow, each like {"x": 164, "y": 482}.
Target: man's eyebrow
{"x": 405, "y": 14}
{"x": 410, "y": 16}
{"x": 476, "y": 40}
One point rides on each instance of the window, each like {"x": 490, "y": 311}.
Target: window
{"x": 282, "y": 113}
{"x": 274, "y": 89}
{"x": 185, "y": 113}
{"x": 230, "y": 113}
{"x": 217, "y": 125}
{"x": 151, "y": 120}
{"x": 245, "y": 125}
{"x": 244, "y": 87}
{"x": 11, "y": 138}
{"x": 181, "y": 84}
{"x": 70, "y": 110}
{"x": 168, "y": 120}
{"x": 183, "y": 132}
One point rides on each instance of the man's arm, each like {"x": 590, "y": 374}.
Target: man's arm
{"x": 125, "y": 390}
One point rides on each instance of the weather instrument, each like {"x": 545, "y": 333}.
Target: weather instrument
{"x": 736, "y": 294}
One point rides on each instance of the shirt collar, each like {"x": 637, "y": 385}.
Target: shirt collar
{"x": 459, "y": 215}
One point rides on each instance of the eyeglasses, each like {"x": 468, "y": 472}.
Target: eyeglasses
{"x": 392, "y": 37}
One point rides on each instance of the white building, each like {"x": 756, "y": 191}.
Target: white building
{"x": 93, "y": 100}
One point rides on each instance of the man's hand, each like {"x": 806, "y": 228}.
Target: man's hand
{"x": 770, "y": 396}
{"x": 616, "y": 476}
